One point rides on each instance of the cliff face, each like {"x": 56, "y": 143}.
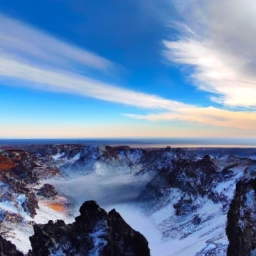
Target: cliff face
{"x": 241, "y": 224}
{"x": 94, "y": 232}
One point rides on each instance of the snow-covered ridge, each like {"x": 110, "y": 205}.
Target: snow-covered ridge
{"x": 185, "y": 194}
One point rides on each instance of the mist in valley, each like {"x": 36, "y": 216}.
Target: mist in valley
{"x": 112, "y": 189}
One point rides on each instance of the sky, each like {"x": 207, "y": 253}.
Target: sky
{"x": 111, "y": 69}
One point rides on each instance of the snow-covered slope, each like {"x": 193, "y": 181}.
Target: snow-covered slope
{"x": 178, "y": 199}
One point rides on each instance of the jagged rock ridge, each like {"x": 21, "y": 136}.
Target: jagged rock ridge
{"x": 94, "y": 232}
{"x": 188, "y": 192}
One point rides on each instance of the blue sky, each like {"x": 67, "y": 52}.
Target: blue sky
{"x": 85, "y": 69}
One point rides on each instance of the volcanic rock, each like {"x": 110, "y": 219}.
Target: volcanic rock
{"x": 94, "y": 232}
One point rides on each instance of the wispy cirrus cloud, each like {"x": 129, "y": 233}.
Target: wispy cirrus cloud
{"x": 52, "y": 80}
{"x": 217, "y": 44}
{"x": 25, "y": 43}
{"x": 38, "y": 60}
{"x": 217, "y": 39}
{"x": 41, "y": 61}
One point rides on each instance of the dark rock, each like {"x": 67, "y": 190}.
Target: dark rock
{"x": 241, "y": 224}
{"x": 184, "y": 207}
{"x": 122, "y": 239}
{"x": 8, "y": 249}
{"x": 191, "y": 177}
{"x": 30, "y": 204}
{"x": 114, "y": 236}
{"x": 47, "y": 191}
{"x": 196, "y": 220}
{"x": 206, "y": 158}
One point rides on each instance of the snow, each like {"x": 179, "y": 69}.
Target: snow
{"x": 21, "y": 235}
{"x": 167, "y": 211}
{"x": 58, "y": 156}
{"x": 10, "y": 206}
{"x": 228, "y": 187}
{"x": 44, "y": 214}
{"x": 147, "y": 225}
{"x": 98, "y": 241}
{"x": 110, "y": 187}
{"x": 253, "y": 253}
{"x": 58, "y": 253}
{"x": 250, "y": 199}
{"x": 167, "y": 233}
{"x": 76, "y": 157}
{"x": 62, "y": 159}
{"x": 21, "y": 198}
{"x": 134, "y": 155}
{"x": 23, "y": 230}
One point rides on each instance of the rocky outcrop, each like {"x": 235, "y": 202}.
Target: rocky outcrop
{"x": 122, "y": 239}
{"x": 27, "y": 197}
{"x": 8, "y": 249}
{"x": 30, "y": 204}
{"x": 94, "y": 232}
{"x": 192, "y": 177}
{"x": 48, "y": 191}
{"x": 241, "y": 224}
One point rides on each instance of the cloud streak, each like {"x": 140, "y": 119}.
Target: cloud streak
{"x": 39, "y": 61}
{"x": 26, "y": 43}
{"x": 208, "y": 116}
{"x": 43, "y": 62}
{"x": 217, "y": 41}
{"x": 68, "y": 82}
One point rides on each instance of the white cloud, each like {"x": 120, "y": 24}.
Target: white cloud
{"x": 62, "y": 81}
{"x": 218, "y": 41}
{"x": 41, "y": 61}
{"x": 22, "y": 41}
{"x": 208, "y": 116}
{"x": 37, "y": 60}
{"x": 19, "y": 40}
